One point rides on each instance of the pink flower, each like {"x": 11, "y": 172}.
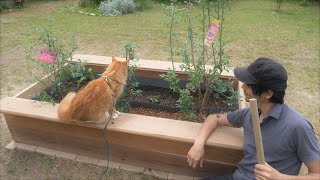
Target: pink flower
{"x": 47, "y": 56}
{"x": 19, "y": 1}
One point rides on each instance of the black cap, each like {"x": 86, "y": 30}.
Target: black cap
{"x": 264, "y": 72}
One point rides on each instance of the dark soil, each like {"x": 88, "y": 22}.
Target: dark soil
{"x": 159, "y": 113}
{"x": 155, "y": 98}
{"x": 161, "y": 102}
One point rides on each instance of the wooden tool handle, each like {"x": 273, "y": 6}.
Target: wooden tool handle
{"x": 257, "y": 130}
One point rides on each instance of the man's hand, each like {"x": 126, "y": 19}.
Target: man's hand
{"x": 263, "y": 172}
{"x": 196, "y": 155}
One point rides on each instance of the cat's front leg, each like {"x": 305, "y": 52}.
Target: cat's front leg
{"x": 115, "y": 114}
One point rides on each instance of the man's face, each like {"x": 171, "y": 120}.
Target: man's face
{"x": 247, "y": 90}
{"x": 248, "y": 93}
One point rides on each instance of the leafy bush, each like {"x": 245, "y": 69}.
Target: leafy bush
{"x": 117, "y": 7}
{"x": 306, "y": 2}
{"x": 197, "y": 51}
{"x": 143, "y": 4}
{"x": 19, "y": 2}
{"x": 63, "y": 77}
{"x": 279, "y": 4}
{"x": 8, "y": 4}
{"x": 132, "y": 84}
{"x": 89, "y": 3}
{"x": 171, "y": 1}
{"x": 5, "y": 5}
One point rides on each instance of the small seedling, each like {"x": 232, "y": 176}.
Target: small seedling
{"x": 154, "y": 99}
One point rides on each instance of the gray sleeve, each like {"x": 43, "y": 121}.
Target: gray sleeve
{"x": 236, "y": 118}
{"x": 306, "y": 143}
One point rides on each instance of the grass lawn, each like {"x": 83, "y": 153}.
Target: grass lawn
{"x": 252, "y": 30}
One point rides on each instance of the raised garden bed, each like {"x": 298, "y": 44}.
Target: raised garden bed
{"x": 151, "y": 142}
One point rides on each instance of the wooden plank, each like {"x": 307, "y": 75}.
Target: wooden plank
{"x": 147, "y": 68}
{"x": 143, "y": 132}
{"x": 143, "y": 64}
{"x": 131, "y": 123}
{"x": 88, "y": 141}
{"x": 166, "y": 162}
{"x": 34, "y": 88}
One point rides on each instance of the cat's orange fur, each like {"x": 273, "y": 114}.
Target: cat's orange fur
{"x": 95, "y": 101}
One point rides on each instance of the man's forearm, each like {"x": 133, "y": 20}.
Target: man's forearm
{"x": 311, "y": 176}
{"x": 209, "y": 125}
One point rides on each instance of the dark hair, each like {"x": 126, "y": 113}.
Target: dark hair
{"x": 277, "y": 97}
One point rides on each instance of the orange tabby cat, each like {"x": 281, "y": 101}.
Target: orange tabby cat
{"x": 95, "y": 101}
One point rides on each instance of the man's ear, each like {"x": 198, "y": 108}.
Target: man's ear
{"x": 268, "y": 94}
{"x": 113, "y": 59}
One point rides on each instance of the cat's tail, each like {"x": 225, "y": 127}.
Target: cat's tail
{"x": 64, "y": 108}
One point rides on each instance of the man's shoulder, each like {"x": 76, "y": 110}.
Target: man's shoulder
{"x": 293, "y": 117}
{"x": 240, "y": 112}
{"x": 238, "y": 117}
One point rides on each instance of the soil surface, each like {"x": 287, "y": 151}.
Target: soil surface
{"x": 156, "y": 95}
{"x": 159, "y": 113}
{"x": 161, "y": 102}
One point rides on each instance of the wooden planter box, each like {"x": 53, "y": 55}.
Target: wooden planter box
{"x": 151, "y": 142}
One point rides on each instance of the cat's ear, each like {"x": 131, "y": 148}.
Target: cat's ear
{"x": 113, "y": 59}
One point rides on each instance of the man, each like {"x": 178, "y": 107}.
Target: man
{"x": 288, "y": 138}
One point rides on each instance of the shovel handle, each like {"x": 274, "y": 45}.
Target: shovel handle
{"x": 257, "y": 130}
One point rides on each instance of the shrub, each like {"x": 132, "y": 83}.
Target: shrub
{"x": 19, "y": 2}
{"x": 132, "y": 84}
{"x": 143, "y": 4}
{"x": 8, "y": 4}
{"x": 117, "y": 7}
{"x": 279, "y": 4}
{"x": 5, "y": 5}
{"x": 52, "y": 60}
{"x": 197, "y": 51}
{"x": 89, "y": 3}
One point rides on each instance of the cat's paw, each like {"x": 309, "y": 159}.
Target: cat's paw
{"x": 115, "y": 116}
{"x": 117, "y": 112}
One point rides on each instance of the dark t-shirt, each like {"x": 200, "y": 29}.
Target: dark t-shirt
{"x": 288, "y": 140}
